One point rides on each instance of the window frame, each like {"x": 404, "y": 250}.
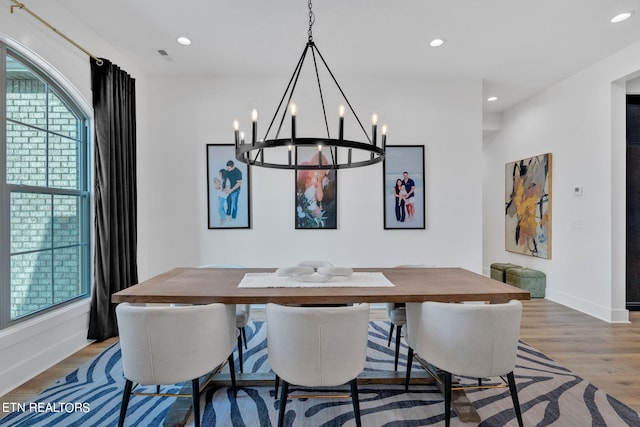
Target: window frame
{"x": 6, "y": 190}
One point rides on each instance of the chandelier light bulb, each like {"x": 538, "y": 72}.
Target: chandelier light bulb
{"x": 384, "y": 129}
{"x": 374, "y": 119}
{"x": 293, "y": 109}
{"x": 236, "y": 125}
{"x": 254, "y": 115}
{"x": 341, "y": 110}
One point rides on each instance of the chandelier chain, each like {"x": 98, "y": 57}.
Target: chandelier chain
{"x": 312, "y": 19}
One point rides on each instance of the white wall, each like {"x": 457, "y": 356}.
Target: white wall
{"x": 185, "y": 115}
{"x": 579, "y": 121}
{"x": 178, "y": 117}
{"x": 32, "y": 346}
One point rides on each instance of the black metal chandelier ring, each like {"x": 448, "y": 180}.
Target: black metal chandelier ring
{"x": 253, "y": 154}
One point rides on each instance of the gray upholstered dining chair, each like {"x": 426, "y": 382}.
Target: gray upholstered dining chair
{"x": 470, "y": 340}
{"x": 243, "y": 312}
{"x": 163, "y": 345}
{"x": 317, "y": 347}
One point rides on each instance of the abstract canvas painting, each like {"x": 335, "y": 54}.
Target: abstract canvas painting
{"x": 528, "y": 206}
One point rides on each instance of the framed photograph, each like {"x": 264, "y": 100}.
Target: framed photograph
{"x": 403, "y": 183}
{"x": 228, "y": 188}
{"x": 316, "y": 191}
{"x": 528, "y": 206}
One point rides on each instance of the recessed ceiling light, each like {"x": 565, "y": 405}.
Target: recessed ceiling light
{"x": 622, "y": 17}
{"x": 184, "y": 41}
{"x": 492, "y": 98}
{"x": 436, "y": 42}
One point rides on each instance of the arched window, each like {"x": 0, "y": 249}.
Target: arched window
{"x": 44, "y": 216}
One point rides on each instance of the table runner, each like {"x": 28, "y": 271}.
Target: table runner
{"x": 357, "y": 279}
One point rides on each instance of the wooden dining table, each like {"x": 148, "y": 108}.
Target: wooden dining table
{"x": 210, "y": 285}
{"x": 221, "y": 285}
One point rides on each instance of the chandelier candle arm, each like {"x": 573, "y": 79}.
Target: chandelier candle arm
{"x": 254, "y": 126}
{"x": 374, "y": 129}
{"x": 384, "y": 137}
{"x": 341, "y": 123}
{"x": 293, "y": 123}
{"x": 236, "y": 132}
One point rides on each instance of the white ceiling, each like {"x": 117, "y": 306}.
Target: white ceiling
{"x": 517, "y": 47}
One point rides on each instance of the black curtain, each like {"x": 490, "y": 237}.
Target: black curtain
{"x": 115, "y": 193}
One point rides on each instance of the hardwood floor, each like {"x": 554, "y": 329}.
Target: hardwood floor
{"x": 606, "y": 354}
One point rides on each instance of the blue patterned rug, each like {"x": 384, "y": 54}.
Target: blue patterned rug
{"x": 549, "y": 395}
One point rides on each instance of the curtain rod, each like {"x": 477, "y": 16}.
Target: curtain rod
{"x": 17, "y": 4}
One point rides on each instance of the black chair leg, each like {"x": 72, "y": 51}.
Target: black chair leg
{"x": 126, "y": 395}
{"x": 447, "y": 399}
{"x": 195, "y": 394}
{"x": 277, "y": 384}
{"x": 409, "y": 364}
{"x": 283, "y": 403}
{"x": 232, "y": 371}
{"x": 390, "y": 334}
{"x": 356, "y": 401}
{"x": 514, "y": 396}
{"x": 398, "y": 336}
{"x": 479, "y": 382}
{"x": 243, "y": 331}
{"x": 240, "y": 352}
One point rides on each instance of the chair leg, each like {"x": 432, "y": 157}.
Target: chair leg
{"x": 277, "y": 384}
{"x": 157, "y": 389}
{"x": 409, "y": 364}
{"x": 283, "y": 403}
{"x": 447, "y": 399}
{"x": 243, "y": 331}
{"x": 356, "y": 400}
{"x": 240, "y": 352}
{"x": 398, "y": 336}
{"x": 195, "y": 394}
{"x": 390, "y": 334}
{"x": 126, "y": 395}
{"x": 514, "y": 396}
{"x": 232, "y": 371}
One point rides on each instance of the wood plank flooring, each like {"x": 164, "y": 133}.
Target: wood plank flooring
{"x": 606, "y": 354}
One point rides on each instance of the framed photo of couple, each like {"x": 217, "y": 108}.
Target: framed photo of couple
{"x": 228, "y": 188}
{"x": 404, "y": 184}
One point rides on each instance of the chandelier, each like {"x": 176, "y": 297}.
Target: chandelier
{"x": 342, "y": 153}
